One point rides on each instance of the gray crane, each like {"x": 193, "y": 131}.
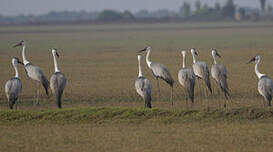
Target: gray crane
{"x": 201, "y": 69}
{"x": 143, "y": 86}
{"x": 34, "y": 72}
{"x": 186, "y": 78}
{"x": 57, "y": 80}
{"x": 159, "y": 71}
{"x": 219, "y": 73}
{"x": 13, "y": 87}
{"x": 265, "y": 84}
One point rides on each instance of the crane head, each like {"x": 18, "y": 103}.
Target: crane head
{"x": 193, "y": 51}
{"x": 145, "y": 49}
{"x": 54, "y": 52}
{"x": 214, "y": 52}
{"x": 21, "y": 43}
{"x": 183, "y": 52}
{"x": 254, "y": 59}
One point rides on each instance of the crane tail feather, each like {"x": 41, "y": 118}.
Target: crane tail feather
{"x": 12, "y": 99}
{"x": 45, "y": 84}
{"x": 147, "y": 99}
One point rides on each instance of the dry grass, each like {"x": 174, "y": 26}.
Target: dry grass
{"x": 195, "y": 136}
{"x": 100, "y": 64}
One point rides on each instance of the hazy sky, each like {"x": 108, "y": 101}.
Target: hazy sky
{"x": 15, "y": 7}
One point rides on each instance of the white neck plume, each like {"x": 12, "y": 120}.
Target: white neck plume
{"x": 193, "y": 58}
{"x": 184, "y": 61}
{"x": 148, "y": 61}
{"x": 55, "y": 63}
{"x": 16, "y": 70}
{"x": 214, "y": 58}
{"x": 25, "y": 61}
{"x": 259, "y": 75}
{"x": 139, "y": 67}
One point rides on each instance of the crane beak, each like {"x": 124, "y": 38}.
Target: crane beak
{"x": 142, "y": 50}
{"x": 218, "y": 54}
{"x": 18, "y": 44}
{"x": 195, "y": 53}
{"x": 20, "y": 62}
{"x": 57, "y": 54}
{"x": 252, "y": 60}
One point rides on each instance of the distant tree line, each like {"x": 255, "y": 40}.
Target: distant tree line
{"x": 198, "y": 12}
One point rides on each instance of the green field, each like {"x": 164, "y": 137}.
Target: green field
{"x": 100, "y": 63}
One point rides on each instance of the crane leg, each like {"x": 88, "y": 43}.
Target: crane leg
{"x": 17, "y": 103}
{"x": 157, "y": 83}
{"x": 172, "y": 96}
{"x": 37, "y": 93}
{"x": 218, "y": 93}
{"x": 199, "y": 87}
{"x": 186, "y": 97}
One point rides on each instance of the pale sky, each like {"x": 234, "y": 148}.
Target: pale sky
{"x": 36, "y": 7}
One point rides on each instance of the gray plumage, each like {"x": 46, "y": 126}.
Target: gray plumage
{"x": 265, "y": 88}
{"x": 13, "y": 87}
{"x": 219, "y": 73}
{"x": 35, "y": 73}
{"x": 201, "y": 70}
{"x": 57, "y": 85}
{"x": 160, "y": 71}
{"x": 144, "y": 89}
{"x": 186, "y": 78}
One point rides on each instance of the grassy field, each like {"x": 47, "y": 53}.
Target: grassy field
{"x": 100, "y": 64}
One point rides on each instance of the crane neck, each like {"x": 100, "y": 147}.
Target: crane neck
{"x": 55, "y": 63}
{"x": 148, "y": 61}
{"x": 214, "y": 59}
{"x": 184, "y": 61}
{"x": 194, "y": 58}
{"x": 16, "y": 70}
{"x": 25, "y": 61}
{"x": 139, "y": 68}
{"x": 259, "y": 75}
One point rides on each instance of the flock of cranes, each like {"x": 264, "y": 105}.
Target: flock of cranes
{"x": 187, "y": 77}
{"x": 13, "y": 87}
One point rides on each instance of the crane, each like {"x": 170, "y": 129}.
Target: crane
{"x": 159, "y": 71}
{"x": 265, "y": 83}
{"x": 186, "y": 78}
{"x": 57, "y": 80}
{"x": 34, "y": 72}
{"x": 13, "y": 87}
{"x": 143, "y": 86}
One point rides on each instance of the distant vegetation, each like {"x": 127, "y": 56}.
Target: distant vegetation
{"x": 199, "y": 12}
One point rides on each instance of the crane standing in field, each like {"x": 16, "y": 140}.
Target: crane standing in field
{"x": 159, "y": 71}
{"x": 13, "y": 87}
{"x": 219, "y": 73}
{"x": 201, "y": 69}
{"x": 143, "y": 85}
{"x": 34, "y": 73}
{"x": 186, "y": 78}
{"x": 57, "y": 80}
{"x": 265, "y": 84}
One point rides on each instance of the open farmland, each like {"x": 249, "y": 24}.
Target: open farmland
{"x": 100, "y": 64}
